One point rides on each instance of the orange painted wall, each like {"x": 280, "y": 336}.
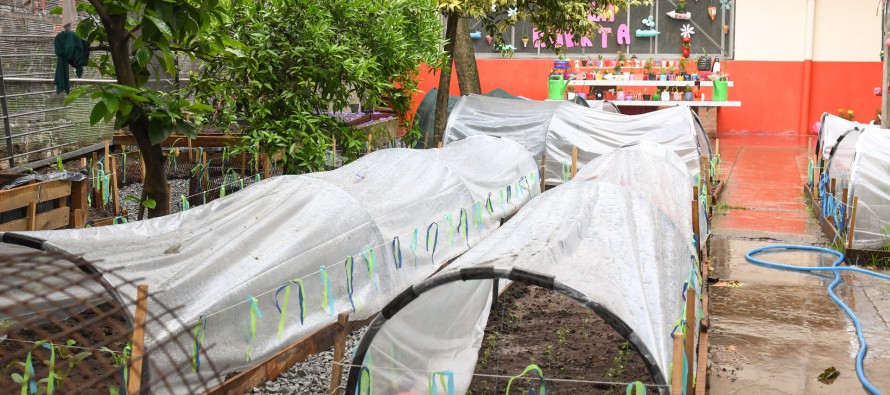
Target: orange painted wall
{"x": 769, "y": 91}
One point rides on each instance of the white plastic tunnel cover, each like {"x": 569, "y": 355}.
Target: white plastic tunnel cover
{"x": 832, "y": 127}
{"x": 554, "y": 128}
{"x": 610, "y": 243}
{"x": 870, "y": 184}
{"x": 343, "y": 241}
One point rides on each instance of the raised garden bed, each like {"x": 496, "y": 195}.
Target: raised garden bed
{"x": 567, "y": 341}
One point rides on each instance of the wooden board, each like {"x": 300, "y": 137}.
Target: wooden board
{"x": 200, "y": 141}
{"x": 53, "y": 219}
{"x": 17, "y": 198}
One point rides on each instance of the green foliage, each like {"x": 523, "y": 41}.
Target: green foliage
{"x": 152, "y": 34}
{"x": 67, "y": 358}
{"x": 304, "y": 57}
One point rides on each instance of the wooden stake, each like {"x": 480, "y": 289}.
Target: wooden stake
{"x": 115, "y": 200}
{"x": 543, "y": 172}
{"x": 170, "y": 193}
{"x": 574, "y": 161}
{"x": 79, "y": 191}
{"x": 339, "y": 352}
{"x": 135, "y": 380}
{"x": 852, "y": 227}
{"x": 83, "y": 163}
{"x": 267, "y": 166}
{"x": 32, "y": 215}
{"x": 92, "y": 167}
{"x": 690, "y": 336}
{"x": 706, "y": 177}
{"x": 696, "y": 221}
{"x": 333, "y": 152}
{"x": 677, "y": 370}
{"x": 844, "y": 195}
{"x": 370, "y": 142}
{"x": 105, "y": 161}
{"x": 832, "y": 185}
{"x": 439, "y": 145}
{"x": 243, "y": 163}
{"x": 191, "y": 158}
{"x": 717, "y": 148}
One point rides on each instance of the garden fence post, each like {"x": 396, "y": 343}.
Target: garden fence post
{"x": 134, "y": 381}
{"x": 852, "y": 226}
{"x": 339, "y": 352}
{"x": 543, "y": 172}
{"x": 574, "y": 162}
{"x": 677, "y": 364}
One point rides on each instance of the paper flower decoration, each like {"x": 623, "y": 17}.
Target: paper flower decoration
{"x": 726, "y": 4}
{"x": 512, "y": 12}
{"x": 650, "y": 21}
{"x": 687, "y": 31}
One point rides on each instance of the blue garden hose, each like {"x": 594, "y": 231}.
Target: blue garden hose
{"x": 836, "y": 269}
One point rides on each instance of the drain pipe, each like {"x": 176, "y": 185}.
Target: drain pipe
{"x": 807, "y": 84}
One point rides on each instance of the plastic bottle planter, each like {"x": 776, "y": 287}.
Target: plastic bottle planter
{"x": 721, "y": 90}
{"x": 665, "y": 96}
{"x": 619, "y": 95}
{"x": 676, "y": 96}
{"x": 672, "y": 77}
{"x": 687, "y": 96}
{"x": 663, "y": 77}
{"x": 656, "y": 97}
{"x": 524, "y": 42}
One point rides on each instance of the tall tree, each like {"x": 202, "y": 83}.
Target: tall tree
{"x": 550, "y": 17}
{"x": 139, "y": 37}
{"x": 305, "y": 57}
{"x": 465, "y": 61}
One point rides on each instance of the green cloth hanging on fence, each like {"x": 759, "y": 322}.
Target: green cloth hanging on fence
{"x": 70, "y": 50}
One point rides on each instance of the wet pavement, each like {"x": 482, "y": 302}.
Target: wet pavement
{"x": 774, "y": 332}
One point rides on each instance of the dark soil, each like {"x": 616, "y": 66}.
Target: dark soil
{"x": 532, "y": 325}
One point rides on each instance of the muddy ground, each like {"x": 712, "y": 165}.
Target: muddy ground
{"x": 536, "y": 326}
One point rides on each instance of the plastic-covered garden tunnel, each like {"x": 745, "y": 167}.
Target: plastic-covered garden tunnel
{"x": 262, "y": 268}
{"x": 619, "y": 248}
{"x": 858, "y": 163}
{"x": 552, "y": 129}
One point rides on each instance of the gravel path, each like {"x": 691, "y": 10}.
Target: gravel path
{"x": 312, "y": 377}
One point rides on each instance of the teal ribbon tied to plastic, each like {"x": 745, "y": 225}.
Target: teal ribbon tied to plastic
{"x": 635, "y": 388}
{"x": 222, "y": 189}
{"x": 413, "y": 245}
{"x": 450, "y": 229}
{"x": 446, "y": 379}
{"x": 432, "y": 240}
{"x": 542, "y": 387}
{"x": 198, "y": 334}
{"x": 350, "y": 269}
{"x": 327, "y": 296}
{"x": 397, "y": 252}
{"x": 532, "y": 180}
{"x": 477, "y": 215}
{"x": 503, "y": 200}
{"x": 526, "y": 187}
{"x": 364, "y": 382}
{"x": 282, "y": 308}
{"x": 463, "y": 226}
{"x": 371, "y": 263}
{"x": 119, "y": 220}
{"x": 489, "y": 207}
{"x": 253, "y": 312}
{"x": 566, "y": 172}
{"x": 184, "y": 203}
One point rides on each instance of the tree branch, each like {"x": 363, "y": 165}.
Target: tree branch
{"x": 100, "y": 9}
{"x": 101, "y": 48}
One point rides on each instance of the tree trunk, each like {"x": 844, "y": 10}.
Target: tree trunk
{"x": 465, "y": 60}
{"x": 155, "y": 184}
{"x": 445, "y": 79}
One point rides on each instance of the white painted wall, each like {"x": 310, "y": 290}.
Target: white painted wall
{"x": 775, "y": 30}
{"x": 847, "y": 31}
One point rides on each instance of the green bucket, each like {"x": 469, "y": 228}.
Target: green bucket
{"x": 721, "y": 90}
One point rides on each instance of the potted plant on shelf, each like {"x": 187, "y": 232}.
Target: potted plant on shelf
{"x": 671, "y": 75}
{"x": 663, "y": 76}
{"x": 657, "y": 95}
{"x": 619, "y": 94}
{"x": 525, "y": 40}
{"x": 600, "y": 60}
{"x": 688, "y": 94}
{"x": 676, "y": 95}
{"x": 665, "y": 95}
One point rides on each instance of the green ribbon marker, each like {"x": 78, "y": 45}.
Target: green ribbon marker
{"x": 542, "y": 388}
{"x": 463, "y": 226}
{"x": 124, "y": 167}
{"x": 413, "y": 246}
{"x": 397, "y": 252}
{"x": 446, "y": 378}
{"x": 477, "y": 215}
{"x": 488, "y": 206}
{"x": 254, "y": 312}
{"x": 327, "y": 301}
{"x": 635, "y": 388}
{"x": 222, "y": 189}
{"x": 566, "y": 172}
{"x": 198, "y": 334}
{"x": 350, "y": 266}
{"x": 432, "y": 240}
{"x": 371, "y": 264}
{"x": 364, "y": 382}
{"x": 184, "y": 203}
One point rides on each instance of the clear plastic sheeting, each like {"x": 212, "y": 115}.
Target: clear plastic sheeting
{"x": 656, "y": 173}
{"x": 553, "y": 128}
{"x": 870, "y": 182}
{"x": 610, "y": 241}
{"x": 399, "y": 214}
{"x": 833, "y": 127}
{"x": 841, "y": 160}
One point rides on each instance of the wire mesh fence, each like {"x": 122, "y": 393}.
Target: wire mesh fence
{"x": 64, "y": 328}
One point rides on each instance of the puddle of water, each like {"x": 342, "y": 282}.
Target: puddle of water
{"x": 729, "y": 264}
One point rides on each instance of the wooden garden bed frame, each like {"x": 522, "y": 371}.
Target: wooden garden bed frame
{"x": 29, "y": 196}
{"x": 854, "y": 256}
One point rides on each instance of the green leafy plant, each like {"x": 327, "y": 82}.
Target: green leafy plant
{"x": 66, "y": 359}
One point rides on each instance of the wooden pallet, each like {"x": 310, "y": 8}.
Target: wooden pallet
{"x": 66, "y": 201}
